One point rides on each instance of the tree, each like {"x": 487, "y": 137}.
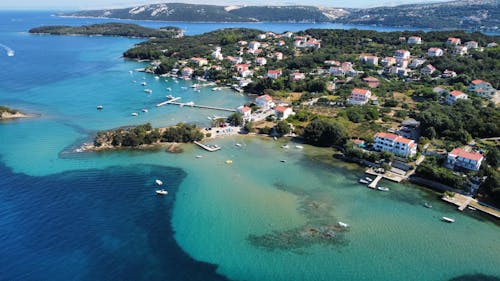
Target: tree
{"x": 248, "y": 127}
{"x": 282, "y": 128}
{"x": 235, "y": 119}
{"x": 325, "y": 133}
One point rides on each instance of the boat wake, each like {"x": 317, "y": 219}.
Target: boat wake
{"x": 9, "y": 51}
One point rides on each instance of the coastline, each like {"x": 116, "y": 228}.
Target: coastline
{"x": 17, "y": 115}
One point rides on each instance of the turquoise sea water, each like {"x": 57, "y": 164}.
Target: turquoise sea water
{"x": 94, "y": 216}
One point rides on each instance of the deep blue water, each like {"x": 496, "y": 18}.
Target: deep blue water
{"x": 92, "y": 225}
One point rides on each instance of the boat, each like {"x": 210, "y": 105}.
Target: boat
{"x": 427, "y": 205}
{"x": 275, "y": 138}
{"x": 158, "y": 182}
{"x": 144, "y": 83}
{"x": 149, "y": 91}
{"x": 157, "y": 77}
{"x": 343, "y": 224}
{"x": 169, "y": 89}
{"x": 299, "y": 147}
{"x": 368, "y": 179}
{"x": 199, "y": 156}
{"x": 363, "y": 181}
{"x": 283, "y": 161}
{"x": 10, "y": 53}
{"x": 447, "y": 219}
{"x": 144, "y": 110}
{"x": 382, "y": 188}
{"x": 229, "y": 161}
{"x": 238, "y": 144}
{"x": 286, "y": 146}
{"x": 184, "y": 88}
{"x": 161, "y": 192}
{"x": 471, "y": 208}
{"x": 100, "y": 107}
{"x": 134, "y": 114}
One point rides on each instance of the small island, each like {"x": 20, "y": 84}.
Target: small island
{"x": 110, "y": 29}
{"x": 9, "y": 113}
{"x": 145, "y": 136}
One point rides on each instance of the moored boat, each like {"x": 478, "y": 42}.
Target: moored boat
{"x": 134, "y": 114}
{"x": 382, "y": 188}
{"x": 447, "y": 219}
{"x": 159, "y": 182}
{"x": 99, "y": 107}
{"x": 161, "y": 192}
{"x": 299, "y": 147}
{"x": 363, "y": 181}
{"x": 427, "y": 205}
{"x": 343, "y": 224}
{"x": 369, "y": 179}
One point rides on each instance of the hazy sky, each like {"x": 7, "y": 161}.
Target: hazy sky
{"x": 95, "y": 4}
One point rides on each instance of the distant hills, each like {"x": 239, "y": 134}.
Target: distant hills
{"x": 109, "y": 29}
{"x": 467, "y": 14}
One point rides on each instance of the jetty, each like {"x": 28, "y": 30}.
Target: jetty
{"x": 168, "y": 102}
{"x": 387, "y": 175}
{"x": 211, "y": 148}
{"x": 463, "y": 201}
{"x": 374, "y": 183}
{"x": 191, "y": 104}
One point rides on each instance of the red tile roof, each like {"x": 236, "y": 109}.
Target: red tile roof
{"x": 271, "y": 71}
{"x": 280, "y": 108}
{"x": 460, "y": 152}
{"x": 360, "y": 91}
{"x": 265, "y": 97}
{"x": 478, "y": 81}
{"x": 456, "y": 93}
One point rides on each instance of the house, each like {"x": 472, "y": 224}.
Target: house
{"x": 243, "y": 42}
{"x": 428, "y": 69}
{"x": 346, "y": 66}
{"x": 402, "y": 62}
{"x": 265, "y": 102}
{"x": 395, "y": 144}
{"x": 415, "y": 40}
{"x": 471, "y": 44}
{"x": 261, "y": 36}
{"x": 243, "y": 70}
{"x": 297, "y": 76}
{"x": 283, "y": 112}
{"x": 234, "y": 60}
{"x": 453, "y": 41}
{"x": 435, "y": 52}
{"x": 274, "y": 73}
{"x": 278, "y": 55}
{"x": 417, "y": 62}
{"x": 359, "y": 143}
{"x": 401, "y": 71}
{"x": 186, "y": 72}
{"x": 245, "y": 111}
{"x": 460, "y": 50}
{"x": 459, "y": 157}
{"x": 449, "y": 74}
{"x": 336, "y": 70}
{"x": 217, "y": 55}
{"x": 261, "y": 61}
{"x": 404, "y": 54}
{"x": 388, "y": 61}
{"x": 369, "y": 60}
{"x": 303, "y": 42}
{"x": 199, "y": 61}
{"x": 455, "y": 95}
{"x": 359, "y": 96}
{"x": 332, "y": 62}
{"x": 491, "y": 45}
{"x": 481, "y": 88}
{"x": 280, "y": 43}
{"x": 371, "y": 81}
{"x": 254, "y": 45}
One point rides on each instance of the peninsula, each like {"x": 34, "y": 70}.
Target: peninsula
{"x": 9, "y": 113}
{"x": 111, "y": 29}
{"x": 468, "y": 15}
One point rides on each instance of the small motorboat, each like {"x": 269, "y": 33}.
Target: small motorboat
{"x": 275, "y": 138}
{"x": 363, "y": 181}
{"x": 343, "y": 224}
{"x": 368, "y": 179}
{"x": 169, "y": 89}
{"x": 144, "y": 110}
{"x": 471, "y": 208}
{"x": 157, "y": 77}
{"x": 299, "y": 147}
{"x": 159, "y": 182}
{"x": 229, "y": 161}
{"x": 283, "y": 161}
{"x": 238, "y": 144}
{"x": 144, "y": 83}
{"x": 99, "y": 107}
{"x": 427, "y": 205}
{"x": 285, "y": 146}
{"x": 134, "y": 114}
{"x": 382, "y": 188}
{"x": 161, "y": 192}
{"x": 447, "y": 219}
{"x": 199, "y": 156}
{"x": 149, "y": 91}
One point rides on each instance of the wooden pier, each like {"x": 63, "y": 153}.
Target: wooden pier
{"x": 206, "y": 147}
{"x": 168, "y": 102}
{"x": 202, "y": 106}
{"x": 463, "y": 202}
{"x": 374, "y": 183}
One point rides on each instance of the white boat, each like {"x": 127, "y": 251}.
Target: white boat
{"x": 130, "y": 71}
{"x": 286, "y": 146}
{"x": 471, "y": 208}
{"x": 158, "y": 182}
{"x": 275, "y": 138}
{"x": 157, "y": 77}
{"x": 447, "y": 219}
{"x": 144, "y": 83}
{"x": 363, "y": 181}
{"x": 199, "y": 156}
{"x": 184, "y": 88}
{"x": 238, "y": 144}
{"x": 100, "y": 107}
{"x": 299, "y": 147}
{"x": 176, "y": 82}
{"x": 343, "y": 224}
{"x": 283, "y": 161}
{"x": 144, "y": 110}
{"x": 149, "y": 91}
{"x": 169, "y": 89}
{"x": 427, "y": 205}
{"x": 382, "y": 188}
{"x": 134, "y": 114}
{"x": 368, "y": 179}
{"x": 195, "y": 86}
{"x": 161, "y": 192}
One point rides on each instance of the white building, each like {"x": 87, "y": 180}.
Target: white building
{"x": 245, "y": 111}
{"x": 472, "y": 44}
{"x": 261, "y": 61}
{"x": 435, "y": 52}
{"x": 359, "y": 96}
{"x": 461, "y": 50}
{"x": 455, "y": 95}
{"x": 404, "y": 54}
{"x": 265, "y": 102}
{"x": 482, "y": 88}
{"x": 453, "y": 41}
{"x": 395, "y": 144}
{"x": 415, "y": 40}
{"x": 186, "y": 72}
{"x": 369, "y": 60}
{"x": 283, "y": 112}
{"x": 428, "y": 69}
{"x": 254, "y": 45}
{"x": 417, "y": 62}
{"x": 462, "y": 158}
{"x": 274, "y": 73}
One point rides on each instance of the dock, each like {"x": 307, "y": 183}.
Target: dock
{"x": 206, "y": 147}
{"x": 374, "y": 183}
{"x": 463, "y": 201}
{"x": 387, "y": 175}
{"x": 168, "y": 102}
{"x": 201, "y": 106}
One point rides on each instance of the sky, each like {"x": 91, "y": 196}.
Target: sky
{"x": 98, "y": 4}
